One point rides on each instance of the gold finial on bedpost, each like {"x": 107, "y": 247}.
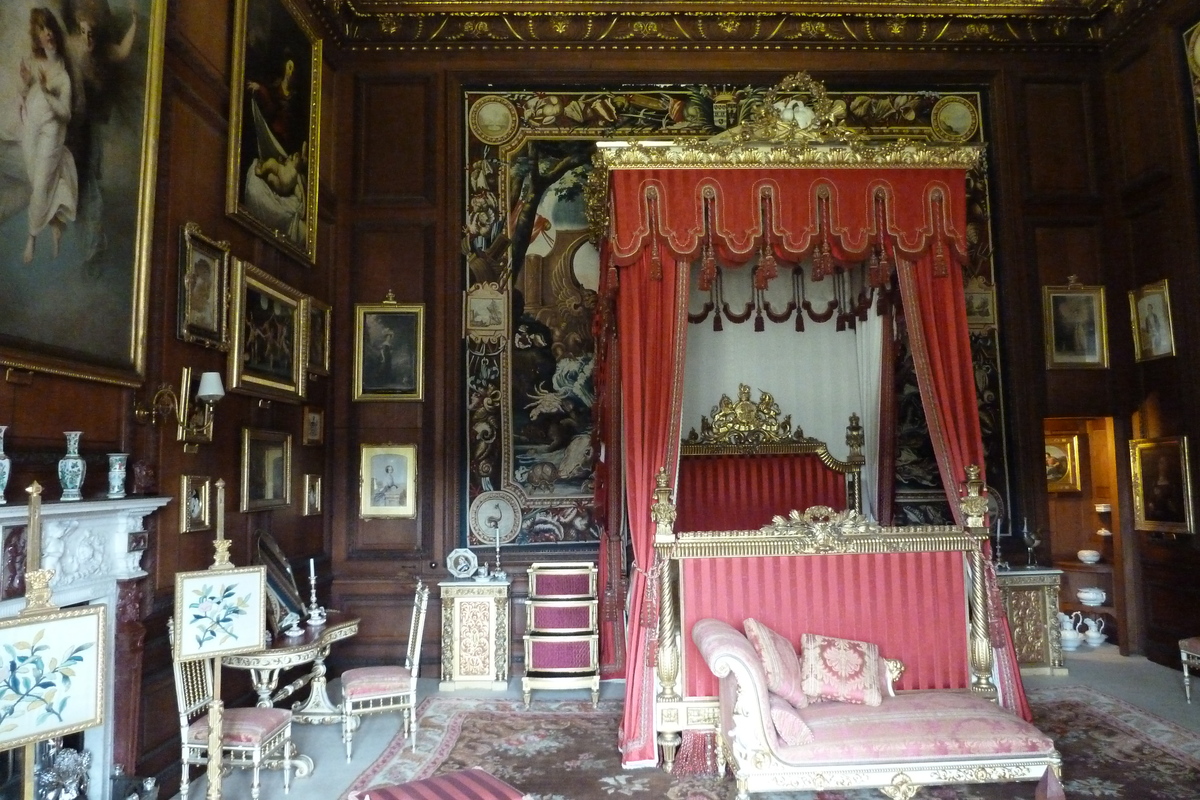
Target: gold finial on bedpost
{"x": 663, "y": 511}
{"x": 974, "y": 504}
{"x": 855, "y": 440}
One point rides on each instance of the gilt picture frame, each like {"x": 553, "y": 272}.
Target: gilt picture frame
{"x": 60, "y": 656}
{"x": 1150, "y": 315}
{"x": 219, "y": 613}
{"x": 387, "y": 481}
{"x": 267, "y": 356}
{"x": 317, "y": 336}
{"x": 274, "y": 125}
{"x": 195, "y": 503}
{"x": 313, "y": 499}
{"x": 312, "y": 426}
{"x": 1076, "y": 327}
{"x": 203, "y": 289}
{"x": 101, "y": 259}
{"x": 1162, "y": 485}
{"x": 389, "y": 345}
{"x": 266, "y": 469}
{"x": 1062, "y": 464}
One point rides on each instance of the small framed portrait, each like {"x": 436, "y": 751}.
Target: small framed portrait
{"x": 203, "y": 289}
{"x": 317, "y": 336}
{"x": 266, "y": 469}
{"x": 195, "y": 506}
{"x": 54, "y": 674}
{"x": 1062, "y": 464}
{"x": 1150, "y": 311}
{"x": 388, "y": 481}
{"x": 219, "y": 612}
{"x": 389, "y": 342}
{"x": 267, "y": 356}
{"x": 312, "y": 495}
{"x": 314, "y": 426}
{"x": 486, "y": 312}
{"x": 981, "y": 307}
{"x": 1076, "y": 327}
{"x": 1162, "y": 485}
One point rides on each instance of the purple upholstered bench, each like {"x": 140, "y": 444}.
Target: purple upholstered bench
{"x": 466, "y": 784}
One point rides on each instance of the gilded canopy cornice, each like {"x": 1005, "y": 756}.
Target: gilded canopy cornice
{"x": 866, "y": 24}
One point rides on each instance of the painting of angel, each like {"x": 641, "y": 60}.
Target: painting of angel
{"x": 79, "y": 86}
{"x": 274, "y": 116}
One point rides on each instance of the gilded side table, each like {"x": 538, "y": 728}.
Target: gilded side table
{"x": 475, "y": 624}
{"x": 1031, "y": 601}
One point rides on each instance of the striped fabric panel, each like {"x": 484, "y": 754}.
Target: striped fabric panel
{"x": 467, "y": 784}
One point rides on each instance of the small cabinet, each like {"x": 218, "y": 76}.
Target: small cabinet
{"x": 475, "y": 623}
{"x": 1031, "y": 601}
{"x": 562, "y": 643}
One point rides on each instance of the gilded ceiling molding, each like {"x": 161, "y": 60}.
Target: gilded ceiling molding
{"x": 874, "y": 24}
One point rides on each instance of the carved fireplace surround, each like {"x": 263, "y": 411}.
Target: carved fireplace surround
{"x": 95, "y": 549}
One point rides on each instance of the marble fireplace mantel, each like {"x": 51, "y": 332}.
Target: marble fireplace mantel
{"x": 94, "y": 547}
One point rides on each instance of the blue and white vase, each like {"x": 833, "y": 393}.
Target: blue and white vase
{"x": 5, "y": 466}
{"x": 71, "y": 468}
{"x": 116, "y": 474}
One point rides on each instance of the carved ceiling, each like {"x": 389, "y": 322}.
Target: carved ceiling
{"x": 608, "y": 25}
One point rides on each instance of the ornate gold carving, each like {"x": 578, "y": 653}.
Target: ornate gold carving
{"x": 895, "y": 668}
{"x": 974, "y": 504}
{"x": 668, "y": 625}
{"x": 662, "y": 512}
{"x": 699, "y": 716}
{"x": 1027, "y": 618}
{"x": 820, "y": 529}
{"x": 902, "y": 787}
{"x": 744, "y": 424}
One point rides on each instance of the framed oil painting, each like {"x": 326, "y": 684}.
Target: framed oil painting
{"x": 1162, "y": 485}
{"x": 57, "y": 658}
{"x": 312, "y": 495}
{"x": 1076, "y": 327}
{"x": 274, "y": 124}
{"x": 267, "y": 357}
{"x": 266, "y": 469}
{"x": 219, "y": 612}
{"x": 203, "y": 289}
{"x": 77, "y": 248}
{"x": 195, "y": 504}
{"x": 388, "y": 481}
{"x": 1150, "y": 313}
{"x": 317, "y": 336}
{"x": 1062, "y": 464}
{"x": 389, "y": 342}
{"x": 313, "y": 424}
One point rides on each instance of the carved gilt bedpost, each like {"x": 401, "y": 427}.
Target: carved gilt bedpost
{"x": 974, "y": 509}
{"x": 667, "y": 654}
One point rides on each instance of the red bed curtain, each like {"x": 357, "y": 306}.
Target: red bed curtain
{"x": 663, "y": 219}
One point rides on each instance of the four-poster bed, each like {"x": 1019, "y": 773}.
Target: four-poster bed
{"x": 792, "y": 186}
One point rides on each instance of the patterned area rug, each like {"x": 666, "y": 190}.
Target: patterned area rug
{"x": 567, "y": 751}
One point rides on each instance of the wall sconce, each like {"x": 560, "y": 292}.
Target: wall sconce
{"x": 193, "y": 419}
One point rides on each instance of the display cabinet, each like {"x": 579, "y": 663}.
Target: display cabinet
{"x": 1031, "y": 602}
{"x": 475, "y": 622}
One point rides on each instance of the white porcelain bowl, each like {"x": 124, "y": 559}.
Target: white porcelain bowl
{"x": 1091, "y": 596}
{"x": 1089, "y": 556}
{"x": 1071, "y": 639}
{"x": 1095, "y": 639}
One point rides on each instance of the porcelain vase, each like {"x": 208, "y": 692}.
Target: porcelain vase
{"x": 71, "y": 468}
{"x": 5, "y": 466}
{"x": 117, "y": 463}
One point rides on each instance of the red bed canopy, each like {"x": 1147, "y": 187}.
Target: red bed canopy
{"x": 777, "y": 189}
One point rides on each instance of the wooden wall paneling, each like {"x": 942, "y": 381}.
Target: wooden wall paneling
{"x": 1060, "y": 152}
{"x": 1139, "y": 138}
{"x": 394, "y": 149}
{"x": 206, "y": 29}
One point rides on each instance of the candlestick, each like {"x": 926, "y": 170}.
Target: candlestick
{"x": 312, "y": 571}
{"x": 220, "y": 509}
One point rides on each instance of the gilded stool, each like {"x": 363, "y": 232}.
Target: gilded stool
{"x": 1189, "y": 654}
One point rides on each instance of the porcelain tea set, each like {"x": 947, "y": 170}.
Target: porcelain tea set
{"x": 1076, "y": 629}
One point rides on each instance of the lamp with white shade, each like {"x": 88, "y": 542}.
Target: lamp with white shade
{"x": 193, "y": 419}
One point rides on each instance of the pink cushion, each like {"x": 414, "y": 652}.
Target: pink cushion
{"x": 840, "y": 669}
{"x": 788, "y": 722}
{"x": 374, "y": 681}
{"x": 466, "y": 784}
{"x": 779, "y": 661}
{"x": 248, "y": 726}
{"x": 916, "y": 725}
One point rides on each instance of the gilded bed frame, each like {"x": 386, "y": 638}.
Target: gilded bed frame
{"x": 817, "y": 531}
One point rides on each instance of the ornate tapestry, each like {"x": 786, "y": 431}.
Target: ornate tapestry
{"x": 532, "y": 273}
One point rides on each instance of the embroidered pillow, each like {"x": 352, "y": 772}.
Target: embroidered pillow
{"x": 790, "y": 726}
{"x": 840, "y": 669}
{"x": 779, "y": 661}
